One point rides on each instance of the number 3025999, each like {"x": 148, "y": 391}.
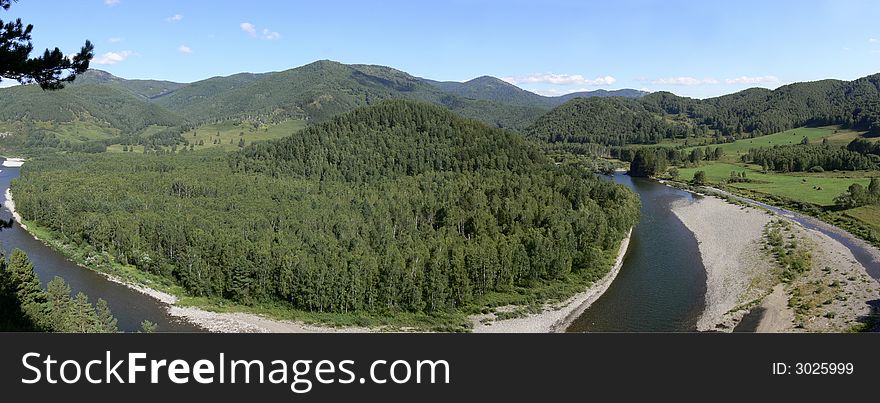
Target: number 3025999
{"x": 813, "y": 368}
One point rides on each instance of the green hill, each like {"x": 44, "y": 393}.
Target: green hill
{"x": 398, "y": 213}
{"x": 489, "y": 88}
{"x": 148, "y": 89}
{"x": 750, "y": 113}
{"x": 323, "y": 89}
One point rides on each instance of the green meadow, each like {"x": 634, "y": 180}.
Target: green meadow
{"x": 835, "y": 135}
{"x": 816, "y": 188}
{"x": 227, "y": 135}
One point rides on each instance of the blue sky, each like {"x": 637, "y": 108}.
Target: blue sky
{"x": 692, "y": 48}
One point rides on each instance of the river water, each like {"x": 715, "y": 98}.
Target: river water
{"x": 661, "y": 286}
{"x": 129, "y": 306}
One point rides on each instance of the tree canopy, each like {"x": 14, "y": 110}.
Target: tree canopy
{"x": 399, "y": 207}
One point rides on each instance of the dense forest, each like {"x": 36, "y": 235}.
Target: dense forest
{"x": 753, "y": 112}
{"x": 397, "y": 207}
{"x": 647, "y": 162}
{"x": 25, "y": 306}
{"x": 608, "y": 121}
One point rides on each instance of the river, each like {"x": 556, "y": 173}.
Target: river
{"x": 662, "y": 284}
{"x": 129, "y": 306}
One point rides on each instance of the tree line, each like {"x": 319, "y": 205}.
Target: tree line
{"x": 653, "y": 161}
{"x": 810, "y": 157}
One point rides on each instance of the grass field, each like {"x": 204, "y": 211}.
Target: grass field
{"x": 816, "y": 188}
{"x": 835, "y": 135}
{"x": 226, "y": 135}
{"x": 819, "y": 188}
{"x": 866, "y": 214}
{"x": 74, "y": 132}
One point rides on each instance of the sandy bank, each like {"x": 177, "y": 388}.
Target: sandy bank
{"x": 730, "y": 238}
{"x": 13, "y": 162}
{"x": 554, "y": 317}
{"x": 833, "y": 294}
{"x": 836, "y": 292}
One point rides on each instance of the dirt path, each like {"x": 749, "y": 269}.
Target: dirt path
{"x": 778, "y": 317}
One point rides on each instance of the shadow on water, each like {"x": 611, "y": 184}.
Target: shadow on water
{"x": 129, "y": 306}
{"x": 662, "y": 284}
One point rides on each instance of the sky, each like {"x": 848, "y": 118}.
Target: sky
{"x": 552, "y": 47}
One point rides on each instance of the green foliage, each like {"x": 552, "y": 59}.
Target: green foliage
{"x": 648, "y": 163}
{"x": 609, "y": 121}
{"x": 148, "y": 327}
{"x": 51, "y": 70}
{"x": 699, "y": 178}
{"x": 401, "y": 207}
{"x": 857, "y": 195}
{"x": 27, "y": 307}
{"x": 794, "y": 259}
{"x": 802, "y": 157}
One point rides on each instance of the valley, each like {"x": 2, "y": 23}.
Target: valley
{"x": 361, "y": 198}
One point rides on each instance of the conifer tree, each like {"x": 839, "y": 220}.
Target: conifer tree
{"x": 30, "y": 295}
{"x": 51, "y": 70}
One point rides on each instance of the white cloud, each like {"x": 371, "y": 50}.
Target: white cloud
{"x": 115, "y": 39}
{"x": 174, "y": 18}
{"x": 560, "y": 79}
{"x": 271, "y": 35}
{"x": 184, "y": 49}
{"x": 555, "y": 92}
{"x": 113, "y": 57}
{"x": 873, "y": 40}
{"x": 876, "y": 52}
{"x": 249, "y": 28}
{"x": 753, "y": 80}
{"x": 266, "y": 33}
{"x": 689, "y": 81}
{"x": 111, "y": 3}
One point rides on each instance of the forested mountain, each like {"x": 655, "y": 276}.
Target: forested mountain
{"x": 149, "y": 89}
{"x": 494, "y": 89}
{"x": 608, "y": 121}
{"x": 624, "y": 93}
{"x": 398, "y": 207}
{"x": 753, "y": 112}
{"x": 323, "y": 89}
{"x": 109, "y": 105}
